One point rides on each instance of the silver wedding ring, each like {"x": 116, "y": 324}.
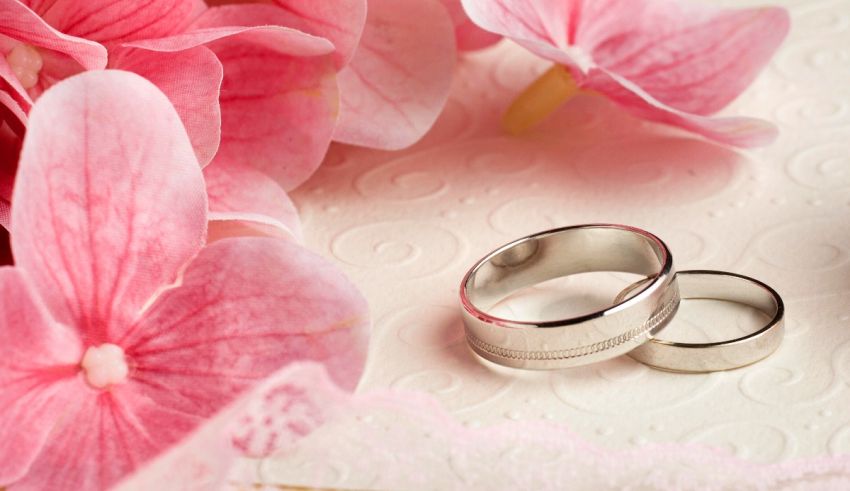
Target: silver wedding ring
{"x": 579, "y": 340}
{"x": 721, "y": 355}
{"x": 630, "y": 325}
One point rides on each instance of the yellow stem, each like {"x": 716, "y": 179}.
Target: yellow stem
{"x": 540, "y": 99}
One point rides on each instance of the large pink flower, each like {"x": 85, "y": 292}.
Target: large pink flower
{"x": 119, "y": 330}
{"x": 670, "y": 61}
{"x": 248, "y": 93}
{"x": 42, "y": 42}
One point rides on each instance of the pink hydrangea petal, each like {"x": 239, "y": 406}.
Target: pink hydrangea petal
{"x": 22, "y": 24}
{"x": 399, "y": 79}
{"x": 469, "y": 37}
{"x": 245, "y": 308}
{"x": 543, "y": 27}
{"x": 104, "y": 437}
{"x": 737, "y": 131}
{"x": 38, "y": 363}
{"x": 192, "y": 80}
{"x": 109, "y": 200}
{"x": 116, "y": 20}
{"x": 244, "y": 201}
{"x": 201, "y": 461}
{"x": 281, "y": 39}
{"x": 279, "y": 97}
{"x": 691, "y": 57}
{"x": 11, "y": 112}
{"x": 340, "y": 21}
{"x": 278, "y": 87}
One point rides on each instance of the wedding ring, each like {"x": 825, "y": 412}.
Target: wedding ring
{"x": 722, "y": 355}
{"x": 579, "y": 340}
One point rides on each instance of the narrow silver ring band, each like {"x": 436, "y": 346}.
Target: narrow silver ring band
{"x": 579, "y": 340}
{"x": 722, "y": 355}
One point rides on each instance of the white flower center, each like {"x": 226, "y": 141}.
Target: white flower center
{"x": 105, "y": 366}
{"x": 26, "y": 62}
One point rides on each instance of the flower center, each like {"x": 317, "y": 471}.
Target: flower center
{"x": 26, "y": 62}
{"x": 581, "y": 58}
{"x": 105, "y": 366}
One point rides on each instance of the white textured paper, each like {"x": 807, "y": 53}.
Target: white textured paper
{"x": 406, "y": 225}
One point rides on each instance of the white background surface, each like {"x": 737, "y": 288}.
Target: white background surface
{"x": 406, "y": 225}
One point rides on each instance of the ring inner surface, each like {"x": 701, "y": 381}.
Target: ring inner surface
{"x": 562, "y": 253}
{"x": 732, "y": 352}
{"x": 729, "y": 288}
{"x": 724, "y": 288}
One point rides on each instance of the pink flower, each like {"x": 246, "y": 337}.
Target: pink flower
{"x": 120, "y": 331}
{"x": 669, "y": 61}
{"x": 395, "y": 61}
{"x": 247, "y": 92}
{"x": 279, "y": 97}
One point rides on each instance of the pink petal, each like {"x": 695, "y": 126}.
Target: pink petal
{"x": 109, "y": 201}
{"x": 278, "y": 98}
{"x": 38, "y": 364}
{"x": 541, "y": 26}
{"x": 281, "y": 39}
{"x": 469, "y": 37}
{"x": 200, "y": 461}
{"x": 340, "y": 21}
{"x": 691, "y": 57}
{"x": 11, "y": 111}
{"x": 244, "y": 201}
{"x": 688, "y": 56}
{"x": 116, "y": 20}
{"x": 737, "y": 131}
{"x": 279, "y": 95}
{"x": 399, "y": 79}
{"x": 245, "y": 308}
{"x": 104, "y": 437}
{"x": 192, "y": 80}
{"x": 22, "y": 24}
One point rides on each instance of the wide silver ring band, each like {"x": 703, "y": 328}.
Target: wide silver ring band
{"x": 561, "y": 252}
{"x": 722, "y": 355}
